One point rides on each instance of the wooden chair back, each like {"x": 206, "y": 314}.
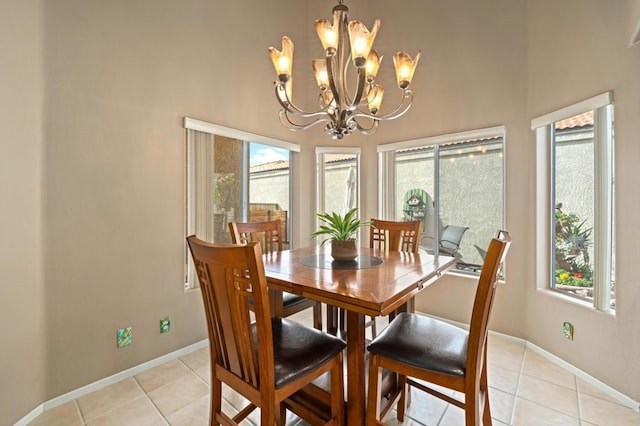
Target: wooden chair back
{"x": 395, "y": 236}
{"x": 268, "y": 234}
{"x": 243, "y": 352}
{"x": 229, "y": 275}
{"x": 483, "y": 303}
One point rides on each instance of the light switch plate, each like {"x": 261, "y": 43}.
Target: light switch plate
{"x": 567, "y": 330}
{"x": 124, "y": 336}
{"x": 165, "y": 325}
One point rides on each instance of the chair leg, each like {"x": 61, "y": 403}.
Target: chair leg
{"x": 374, "y": 330}
{"x": 337, "y": 392}
{"x": 216, "y": 399}
{"x": 402, "y": 402}
{"x": 472, "y": 407}
{"x": 267, "y": 415}
{"x": 332, "y": 320}
{"x": 484, "y": 391}
{"x": 373, "y": 403}
{"x": 281, "y": 415}
{"x": 317, "y": 316}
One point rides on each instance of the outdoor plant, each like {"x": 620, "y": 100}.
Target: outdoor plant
{"x": 573, "y": 239}
{"x": 338, "y": 227}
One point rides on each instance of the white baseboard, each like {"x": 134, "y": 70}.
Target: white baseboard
{"x": 92, "y": 387}
{"x": 622, "y": 398}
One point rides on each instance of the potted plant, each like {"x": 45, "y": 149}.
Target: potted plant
{"x": 340, "y": 230}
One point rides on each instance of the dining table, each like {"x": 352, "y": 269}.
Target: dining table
{"x": 376, "y": 283}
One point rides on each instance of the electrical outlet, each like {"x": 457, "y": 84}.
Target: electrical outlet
{"x": 567, "y": 330}
{"x": 165, "y": 325}
{"x": 124, "y": 336}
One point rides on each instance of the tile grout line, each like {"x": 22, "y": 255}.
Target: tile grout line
{"x": 196, "y": 374}
{"x": 578, "y": 400}
{"x": 446, "y": 408}
{"x": 517, "y": 391}
{"x": 79, "y": 411}
{"x": 537, "y": 403}
{"x": 150, "y": 400}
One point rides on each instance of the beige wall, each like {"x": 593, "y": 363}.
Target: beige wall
{"x": 578, "y": 49}
{"x": 119, "y": 78}
{"x": 120, "y": 75}
{"x": 23, "y": 357}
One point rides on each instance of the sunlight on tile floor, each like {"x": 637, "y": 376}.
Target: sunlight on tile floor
{"x": 525, "y": 389}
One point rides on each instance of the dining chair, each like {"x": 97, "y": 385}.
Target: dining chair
{"x": 266, "y": 359}
{"x": 269, "y": 235}
{"x": 393, "y": 236}
{"x": 433, "y": 351}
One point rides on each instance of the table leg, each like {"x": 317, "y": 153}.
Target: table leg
{"x": 356, "y": 392}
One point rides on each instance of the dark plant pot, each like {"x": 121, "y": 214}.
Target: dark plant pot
{"x": 344, "y": 251}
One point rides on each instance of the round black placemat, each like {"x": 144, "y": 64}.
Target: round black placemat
{"x": 322, "y": 261}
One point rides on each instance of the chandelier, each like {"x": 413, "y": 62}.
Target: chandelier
{"x": 343, "y": 112}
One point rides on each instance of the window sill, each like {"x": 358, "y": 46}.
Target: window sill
{"x": 584, "y": 304}
{"x": 470, "y": 276}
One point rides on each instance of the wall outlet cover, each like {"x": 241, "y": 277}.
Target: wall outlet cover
{"x": 165, "y": 325}
{"x": 124, "y": 337}
{"x": 567, "y": 330}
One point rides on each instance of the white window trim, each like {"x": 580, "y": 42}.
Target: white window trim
{"x": 442, "y": 139}
{"x": 592, "y": 103}
{"x": 602, "y": 231}
{"x": 229, "y": 132}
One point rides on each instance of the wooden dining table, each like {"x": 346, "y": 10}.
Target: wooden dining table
{"x": 377, "y": 283}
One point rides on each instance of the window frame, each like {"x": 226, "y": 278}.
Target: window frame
{"x": 604, "y": 178}
{"x": 191, "y": 124}
{"x": 387, "y": 178}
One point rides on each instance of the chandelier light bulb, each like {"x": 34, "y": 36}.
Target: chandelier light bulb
{"x": 373, "y": 64}
{"x": 283, "y": 60}
{"x": 320, "y": 71}
{"x": 405, "y": 67}
{"x": 361, "y": 41}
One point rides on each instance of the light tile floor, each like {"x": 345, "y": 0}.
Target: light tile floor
{"x": 525, "y": 389}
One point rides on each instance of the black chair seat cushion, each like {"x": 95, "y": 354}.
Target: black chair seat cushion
{"x": 299, "y": 350}
{"x": 425, "y": 343}
{"x": 290, "y": 299}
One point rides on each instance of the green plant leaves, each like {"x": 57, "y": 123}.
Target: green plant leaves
{"x": 338, "y": 227}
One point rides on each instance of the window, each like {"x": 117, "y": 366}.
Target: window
{"x": 233, "y": 176}
{"x": 575, "y": 201}
{"x": 454, "y": 184}
{"x": 338, "y": 171}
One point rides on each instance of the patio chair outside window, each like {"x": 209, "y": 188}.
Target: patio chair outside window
{"x": 449, "y": 241}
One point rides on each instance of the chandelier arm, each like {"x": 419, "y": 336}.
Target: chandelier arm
{"x": 404, "y": 106}
{"x": 291, "y": 108}
{"x": 360, "y": 88}
{"x": 343, "y": 58}
{"x": 366, "y": 130}
{"x": 286, "y": 121}
{"x": 332, "y": 82}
